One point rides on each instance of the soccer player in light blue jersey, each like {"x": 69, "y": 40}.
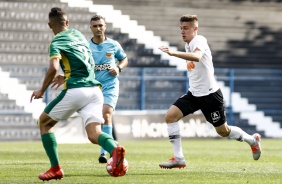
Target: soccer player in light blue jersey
{"x": 110, "y": 59}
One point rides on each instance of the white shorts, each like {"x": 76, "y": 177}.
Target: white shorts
{"x": 86, "y": 101}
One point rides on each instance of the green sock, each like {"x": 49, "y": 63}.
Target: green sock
{"x": 107, "y": 142}
{"x": 109, "y": 130}
{"x": 50, "y": 146}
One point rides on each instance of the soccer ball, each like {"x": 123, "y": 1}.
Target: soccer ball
{"x": 109, "y": 167}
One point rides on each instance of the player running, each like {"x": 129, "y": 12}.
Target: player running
{"x": 81, "y": 93}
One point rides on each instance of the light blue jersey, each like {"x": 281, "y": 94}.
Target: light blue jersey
{"x": 105, "y": 55}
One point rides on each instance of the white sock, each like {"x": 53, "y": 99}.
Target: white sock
{"x": 238, "y": 134}
{"x": 173, "y": 130}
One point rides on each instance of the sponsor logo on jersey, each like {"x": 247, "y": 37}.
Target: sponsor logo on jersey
{"x": 77, "y": 42}
{"x": 102, "y": 67}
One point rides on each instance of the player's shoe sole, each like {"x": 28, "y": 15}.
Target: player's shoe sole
{"x": 118, "y": 155}
{"x": 173, "y": 163}
{"x": 52, "y": 173}
{"x": 256, "y": 148}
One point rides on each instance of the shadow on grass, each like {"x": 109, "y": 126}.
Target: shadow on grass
{"x": 136, "y": 173}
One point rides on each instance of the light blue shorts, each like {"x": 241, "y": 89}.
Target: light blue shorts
{"x": 110, "y": 92}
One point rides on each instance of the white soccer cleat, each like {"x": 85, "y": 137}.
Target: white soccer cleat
{"x": 256, "y": 148}
{"x": 173, "y": 163}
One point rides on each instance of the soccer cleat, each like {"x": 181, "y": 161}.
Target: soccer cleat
{"x": 118, "y": 155}
{"x": 173, "y": 163}
{"x": 103, "y": 158}
{"x": 55, "y": 172}
{"x": 256, "y": 148}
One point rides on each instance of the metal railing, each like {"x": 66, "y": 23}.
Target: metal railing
{"x": 228, "y": 76}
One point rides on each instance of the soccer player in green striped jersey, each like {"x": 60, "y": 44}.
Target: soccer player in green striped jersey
{"x": 81, "y": 93}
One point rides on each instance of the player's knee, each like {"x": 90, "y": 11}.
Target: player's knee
{"x": 223, "y": 133}
{"x": 108, "y": 119}
{"x": 45, "y": 126}
{"x": 93, "y": 139}
{"x": 170, "y": 119}
{"x": 173, "y": 115}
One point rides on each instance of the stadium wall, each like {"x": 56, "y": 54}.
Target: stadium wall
{"x": 137, "y": 125}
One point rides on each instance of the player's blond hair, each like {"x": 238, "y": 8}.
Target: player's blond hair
{"x": 189, "y": 18}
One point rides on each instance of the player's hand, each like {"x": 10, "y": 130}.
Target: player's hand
{"x": 166, "y": 50}
{"x": 58, "y": 81}
{"x": 114, "y": 71}
{"x": 36, "y": 95}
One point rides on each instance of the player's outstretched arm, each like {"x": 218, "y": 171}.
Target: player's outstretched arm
{"x": 196, "y": 55}
{"x": 50, "y": 75}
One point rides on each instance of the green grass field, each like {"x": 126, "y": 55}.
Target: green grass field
{"x": 209, "y": 161}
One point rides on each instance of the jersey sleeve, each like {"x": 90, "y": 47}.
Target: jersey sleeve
{"x": 54, "y": 50}
{"x": 200, "y": 43}
{"x": 120, "y": 54}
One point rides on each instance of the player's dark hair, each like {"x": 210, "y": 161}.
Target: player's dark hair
{"x": 97, "y": 17}
{"x": 188, "y": 18}
{"x": 58, "y": 14}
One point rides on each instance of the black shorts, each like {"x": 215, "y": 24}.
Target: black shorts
{"x": 211, "y": 105}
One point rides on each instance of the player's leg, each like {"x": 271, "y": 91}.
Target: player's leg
{"x": 51, "y": 115}
{"x": 173, "y": 115}
{"x": 238, "y": 134}
{"x": 62, "y": 107}
{"x": 107, "y": 128}
{"x": 173, "y": 128}
{"x": 110, "y": 93}
{"x": 215, "y": 114}
{"x": 49, "y": 142}
{"x": 93, "y": 118}
{"x": 96, "y": 136}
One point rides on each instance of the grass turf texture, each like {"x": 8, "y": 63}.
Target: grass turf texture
{"x": 210, "y": 161}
